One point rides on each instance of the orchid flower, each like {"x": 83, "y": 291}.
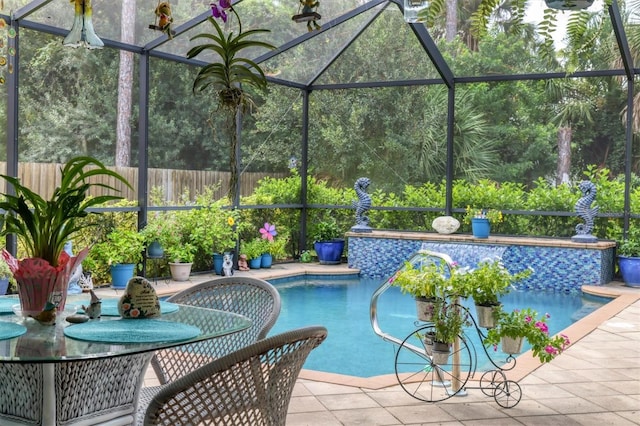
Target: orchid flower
{"x": 219, "y": 8}
{"x": 268, "y": 232}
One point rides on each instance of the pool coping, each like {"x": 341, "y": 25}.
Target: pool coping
{"x": 622, "y": 298}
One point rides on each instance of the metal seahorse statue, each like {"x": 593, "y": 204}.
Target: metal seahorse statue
{"x": 586, "y": 212}
{"x": 362, "y": 205}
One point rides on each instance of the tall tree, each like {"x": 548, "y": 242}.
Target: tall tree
{"x": 125, "y": 86}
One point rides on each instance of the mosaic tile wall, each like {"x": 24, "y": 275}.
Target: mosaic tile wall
{"x": 556, "y": 268}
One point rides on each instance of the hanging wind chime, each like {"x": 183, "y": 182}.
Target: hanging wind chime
{"x": 307, "y": 12}
{"x": 82, "y": 32}
{"x": 163, "y": 19}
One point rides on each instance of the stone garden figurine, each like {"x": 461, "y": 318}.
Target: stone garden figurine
{"x": 585, "y": 211}
{"x": 362, "y": 205}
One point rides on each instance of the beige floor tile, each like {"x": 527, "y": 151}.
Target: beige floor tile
{"x": 424, "y": 413}
{"x": 615, "y": 402}
{"x": 551, "y": 420}
{"x": 366, "y": 417}
{"x": 321, "y": 388}
{"x": 587, "y": 388}
{"x": 601, "y": 419}
{"x": 544, "y": 391}
{"x": 305, "y": 404}
{"x": 632, "y": 416}
{"x": 572, "y": 405}
{"x": 347, "y": 401}
{"x": 315, "y": 419}
{"x": 474, "y": 411}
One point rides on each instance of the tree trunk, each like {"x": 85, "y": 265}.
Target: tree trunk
{"x": 451, "y": 29}
{"x": 125, "y": 86}
{"x": 564, "y": 155}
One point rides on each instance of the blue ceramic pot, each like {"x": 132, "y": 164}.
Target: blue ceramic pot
{"x": 329, "y": 252}
{"x": 480, "y": 227}
{"x": 218, "y": 259}
{"x": 630, "y": 270}
{"x": 121, "y": 273}
{"x": 255, "y": 263}
{"x": 267, "y": 260}
{"x": 155, "y": 250}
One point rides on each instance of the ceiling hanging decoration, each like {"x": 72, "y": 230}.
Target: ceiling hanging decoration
{"x": 82, "y": 32}
{"x": 163, "y": 19}
{"x": 309, "y": 14}
{"x": 412, "y": 8}
{"x": 568, "y": 4}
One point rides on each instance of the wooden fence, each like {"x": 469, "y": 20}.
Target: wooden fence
{"x": 43, "y": 178}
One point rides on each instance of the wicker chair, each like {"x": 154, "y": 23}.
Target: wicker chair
{"x": 251, "y": 386}
{"x": 254, "y": 298}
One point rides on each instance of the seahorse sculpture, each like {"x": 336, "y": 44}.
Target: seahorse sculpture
{"x": 586, "y": 212}
{"x": 362, "y": 205}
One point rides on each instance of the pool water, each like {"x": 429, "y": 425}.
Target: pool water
{"x": 352, "y": 347}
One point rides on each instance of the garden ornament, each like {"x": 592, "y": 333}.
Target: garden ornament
{"x": 309, "y": 14}
{"x": 82, "y": 32}
{"x": 74, "y": 278}
{"x": 94, "y": 310}
{"x": 227, "y": 265}
{"x": 362, "y": 205}
{"x": 242, "y": 263}
{"x": 585, "y": 211}
{"x": 163, "y": 19}
{"x": 48, "y": 314}
{"x": 139, "y": 300}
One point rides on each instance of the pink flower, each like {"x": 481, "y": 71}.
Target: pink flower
{"x": 550, "y": 350}
{"x": 268, "y": 232}
{"x": 542, "y": 327}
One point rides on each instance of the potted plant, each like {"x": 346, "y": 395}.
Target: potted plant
{"x": 489, "y": 281}
{"x": 155, "y": 236}
{"x": 254, "y": 250}
{"x": 44, "y": 226}
{"x": 449, "y": 319}
{"x": 328, "y": 242}
{"x": 426, "y": 282}
{"x": 629, "y": 258}
{"x": 181, "y": 257}
{"x": 6, "y": 278}
{"x": 122, "y": 251}
{"x": 517, "y": 325}
{"x": 481, "y": 219}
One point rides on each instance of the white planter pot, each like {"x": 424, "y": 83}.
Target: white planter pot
{"x": 180, "y": 271}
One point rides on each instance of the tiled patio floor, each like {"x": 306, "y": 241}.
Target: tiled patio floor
{"x": 594, "y": 382}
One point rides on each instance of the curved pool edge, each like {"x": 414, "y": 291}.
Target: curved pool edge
{"x": 621, "y": 295}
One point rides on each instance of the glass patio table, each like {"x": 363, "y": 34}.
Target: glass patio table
{"x": 90, "y": 373}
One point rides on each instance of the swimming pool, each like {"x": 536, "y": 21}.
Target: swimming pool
{"x": 352, "y": 348}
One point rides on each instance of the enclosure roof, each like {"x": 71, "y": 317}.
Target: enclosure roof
{"x": 306, "y": 59}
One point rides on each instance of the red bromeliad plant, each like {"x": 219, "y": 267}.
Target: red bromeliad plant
{"x": 43, "y": 227}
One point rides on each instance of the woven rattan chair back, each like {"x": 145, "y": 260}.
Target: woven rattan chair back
{"x": 254, "y": 298}
{"x": 251, "y": 386}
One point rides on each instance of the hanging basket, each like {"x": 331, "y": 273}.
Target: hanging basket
{"x": 568, "y": 4}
